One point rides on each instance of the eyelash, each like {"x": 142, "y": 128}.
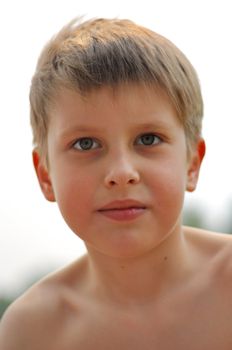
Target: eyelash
{"x": 155, "y": 138}
{"x": 155, "y": 141}
{"x": 85, "y": 139}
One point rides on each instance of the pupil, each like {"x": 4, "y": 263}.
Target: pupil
{"x": 148, "y": 139}
{"x": 86, "y": 143}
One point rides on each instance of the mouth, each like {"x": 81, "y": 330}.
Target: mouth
{"x": 123, "y": 210}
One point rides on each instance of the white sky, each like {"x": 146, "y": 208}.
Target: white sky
{"x": 32, "y": 233}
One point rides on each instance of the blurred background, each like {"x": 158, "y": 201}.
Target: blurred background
{"x": 34, "y": 240}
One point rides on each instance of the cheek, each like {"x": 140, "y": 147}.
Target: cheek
{"x": 74, "y": 195}
{"x": 168, "y": 183}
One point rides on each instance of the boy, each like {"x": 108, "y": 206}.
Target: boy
{"x": 116, "y": 113}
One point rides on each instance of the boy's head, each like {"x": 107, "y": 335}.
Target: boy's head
{"x": 85, "y": 56}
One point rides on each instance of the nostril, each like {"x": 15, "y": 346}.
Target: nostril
{"x": 112, "y": 182}
{"x": 131, "y": 181}
{"x": 121, "y": 178}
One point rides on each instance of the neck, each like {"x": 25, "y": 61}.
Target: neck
{"x": 143, "y": 277}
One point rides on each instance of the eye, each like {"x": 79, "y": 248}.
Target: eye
{"x": 148, "y": 140}
{"x": 86, "y": 144}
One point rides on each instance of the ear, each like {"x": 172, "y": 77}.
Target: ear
{"x": 43, "y": 176}
{"x": 194, "y": 165}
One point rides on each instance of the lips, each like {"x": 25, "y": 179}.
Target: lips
{"x": 121, "y": 210}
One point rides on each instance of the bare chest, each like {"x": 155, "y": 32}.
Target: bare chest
{"x": 202, "y": 325}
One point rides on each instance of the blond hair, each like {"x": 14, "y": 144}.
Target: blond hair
{"x": 108, "y": 52}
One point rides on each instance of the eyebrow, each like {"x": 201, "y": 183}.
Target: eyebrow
{"x": 81, "y": 128}
{"x": 91, "y": 129}
{"x": 156, "y": 124}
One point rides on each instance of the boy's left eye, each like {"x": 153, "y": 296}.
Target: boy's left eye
{"x": 148, "y": 140}
{"x": 86, "y": 144}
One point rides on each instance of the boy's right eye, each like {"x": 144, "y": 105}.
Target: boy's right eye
{"x": 86, "y": 144}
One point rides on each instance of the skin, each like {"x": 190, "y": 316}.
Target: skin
{"x": 146, "y": 282}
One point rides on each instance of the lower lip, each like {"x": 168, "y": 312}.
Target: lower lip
{"x": 123, "y": 214}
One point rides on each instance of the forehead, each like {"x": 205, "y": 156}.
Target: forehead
{"x": 125, "y": 103}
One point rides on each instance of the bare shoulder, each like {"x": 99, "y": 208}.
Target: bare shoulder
{"x": 211, "y": 238}
{"x": 215, "y": 248}
{"x": 23, "y": 321}
{"x": 35, "y": 318}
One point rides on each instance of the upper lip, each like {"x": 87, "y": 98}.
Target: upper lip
{"x": 123, "y": 204}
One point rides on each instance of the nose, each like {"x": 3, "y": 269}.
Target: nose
{"x": 121, "y": 172}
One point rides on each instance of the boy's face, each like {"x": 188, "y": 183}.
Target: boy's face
{"x": 118, "y": 168}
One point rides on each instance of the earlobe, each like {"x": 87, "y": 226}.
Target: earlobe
{"x": 194, "y": 165}
{"x": 43, "y": 177}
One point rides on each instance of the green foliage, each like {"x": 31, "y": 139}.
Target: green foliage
{"x": 200, "y": 216}
{"x": 4, "y": 303}
{"x": 193, "y": 217}
{"x": 228, "y": 214}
